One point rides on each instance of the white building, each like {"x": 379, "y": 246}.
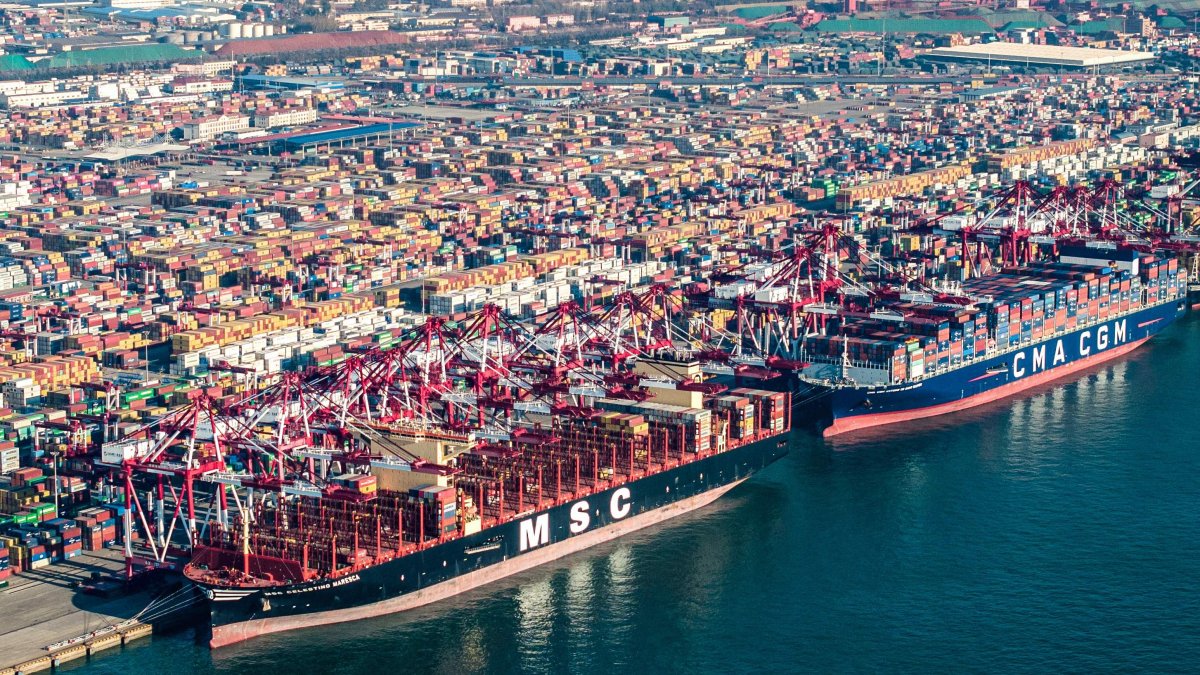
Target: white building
{"x": 136, "y": 4}
{"x": 285, "y": 118}
{"x": 199, "y": 86}
{"x": 40, "y": 99}
{"x": 207, "y": 128}
{"x": 207, "y": 69}
{"x": 23, "y": 87}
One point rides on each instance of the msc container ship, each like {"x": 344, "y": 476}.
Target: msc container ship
{"x": 370, "y": 547}
{"x": 1026, "y": 326}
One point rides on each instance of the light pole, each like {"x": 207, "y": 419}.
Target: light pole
{"x": 54, "y": 459}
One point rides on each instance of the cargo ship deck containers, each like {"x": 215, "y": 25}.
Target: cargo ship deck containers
{"x": 906, "y": 360}
{"x": 375, "y": 543}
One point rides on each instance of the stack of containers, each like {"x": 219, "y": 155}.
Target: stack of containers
{"x": 1026, "y": 305}
{"x": 15, "y": 550}
{"x": 740, "y": 412}
{"x": 72, "y": 538}
{"x": 619, "y": 424}
{"x": 771, "y": 408}
{"x": 28, "y": 381}
{"x": 440, "y": 508}
{"x": 21, "y": 495}
{"x": 686, "y": 429}
{"x": 50, "y": 542}
{"x": 12, "y": 275}
{"x": 911, "y": 184}
{"x": 492, "y": 275}
{"x": 25, "y": 550}
{"x": 72, "y": 492}
{"x": 882, "y": 351}
{"x": 357, "y": 484}
{"x": 611, "y": 428}
{"x": 98, "y": 527}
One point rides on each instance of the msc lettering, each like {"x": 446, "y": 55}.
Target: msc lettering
{"x": 535, "y": 531}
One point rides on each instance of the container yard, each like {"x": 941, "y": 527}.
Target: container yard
{"x": 327, "y": 339}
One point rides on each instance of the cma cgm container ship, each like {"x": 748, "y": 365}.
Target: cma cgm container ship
{"x": 1026, "y": 326}
{"x": 373, "y": 548}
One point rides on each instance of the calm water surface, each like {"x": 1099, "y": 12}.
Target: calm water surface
{"x": 1057, "y": 532}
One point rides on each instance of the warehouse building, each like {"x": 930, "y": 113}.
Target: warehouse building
{"x": 369, "y": 133}
{"x": 1011, "y": 53}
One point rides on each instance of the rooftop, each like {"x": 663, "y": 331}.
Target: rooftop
{"x": 349, "y": 134}
{"x": 268, "y": 81}
{"x": 143, "y": 53}
{"x": 15, "y": 62}
{"x": 931, "y": 26}
{"x": 315, "y": 42}
{"x": 118, "y": 154}
{"x": 1077, "y": 57}
{"x": 449, "y": 112}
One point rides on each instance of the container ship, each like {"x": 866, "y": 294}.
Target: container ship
{"x": 911, "y": 357}
{"x": 387, "y": 532}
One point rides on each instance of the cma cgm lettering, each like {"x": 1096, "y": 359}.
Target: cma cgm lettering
{"x": 1090, "y": 341}
{"x": 969, "y": 383}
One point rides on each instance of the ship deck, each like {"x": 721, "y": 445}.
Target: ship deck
{"x": 222, "y": 567}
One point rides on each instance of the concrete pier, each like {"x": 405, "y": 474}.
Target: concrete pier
{"x": 41, "y": 608}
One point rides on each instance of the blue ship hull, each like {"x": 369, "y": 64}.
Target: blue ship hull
{"x": 1005, "y": 374}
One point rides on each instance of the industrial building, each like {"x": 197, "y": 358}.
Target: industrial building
{"x": 1039, "y": 55}
{"x": 206, "y": 128}
{"x": 288, "y": 83}
{"x": 284, "y": 118}
{"x": 370, "y": 133}
{"x": 118, "y": 154}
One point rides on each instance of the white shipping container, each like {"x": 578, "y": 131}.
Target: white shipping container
{"x": 121, "y": 451}
{"x": 21, "y": 383}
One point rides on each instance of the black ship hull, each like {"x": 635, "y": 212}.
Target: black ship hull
{"x": 458, "y": 565}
